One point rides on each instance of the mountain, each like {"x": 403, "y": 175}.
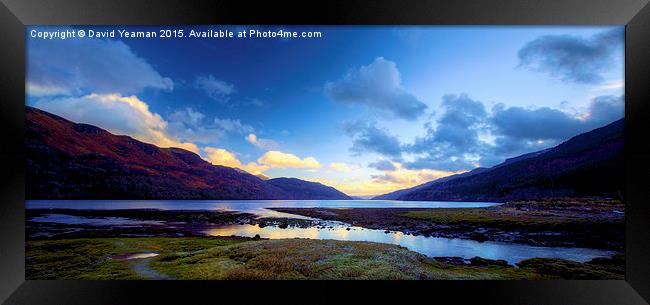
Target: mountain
{"x": 306, "y": 189}
{"x": 81, "y": 161}
{"x": 589, "y": 164}
{"x": 522, "y": 157}
{"x": 399, "y": 193}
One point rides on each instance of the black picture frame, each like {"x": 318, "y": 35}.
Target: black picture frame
{"x": 16, "y": 14}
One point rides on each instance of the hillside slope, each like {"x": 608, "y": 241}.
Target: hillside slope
{"x": 81, "y": 161}
{"x": 307, "y": 189}
{"x": 590, "y": 164}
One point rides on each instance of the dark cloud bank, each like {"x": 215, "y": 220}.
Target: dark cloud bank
{"x": 466, "y": 134}
{"x": 455, "y": 143}
{"x": 572, "y": 58}
{"x": 369, "y": 138}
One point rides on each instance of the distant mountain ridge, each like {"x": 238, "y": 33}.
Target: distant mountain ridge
{"x": 397, "y": 194}
{"x": 589, "y": 164}
{"x": 307, "y": 189}
{"x": 66, "y": 160}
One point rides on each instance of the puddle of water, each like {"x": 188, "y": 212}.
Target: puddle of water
{"x": 142, "y": 255}
{"x": 139, "y": 263}
{"x": 130, "y": 256}
{"x": 430, "y": 246}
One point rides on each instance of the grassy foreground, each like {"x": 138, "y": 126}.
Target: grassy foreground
{"x": 238, "y": 258}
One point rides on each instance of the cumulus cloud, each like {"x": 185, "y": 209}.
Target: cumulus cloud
{"x": 378, "y": 86}
{"x": 271, "y": 159}
{"x": 45, "y": 88}
{"x": 220, "y": 156}
{"x": 63, "y": 68}
{"x": 278, "y": 159}
{"x": 233, "y": 126}
{"x": 187, "y": 116}
{"x": 612, "y": 85}
{"x": 191, "y": 125}
{"x": 383, "y": 165}
{"x": 458, "y": 126}
{"x": 572, "y": 58}
{"x": 264, "y": 144}
{"x": 454, "y": 143}
{"x": 534, "y": 124}
{"x": 604, "y": 110}
{"x": 118, "y": 114}
{"x": 519, "y": 130}
{"x": 465, "y": 135}
{"x": 216, "y": 89}
{"x": 367, "y": 137}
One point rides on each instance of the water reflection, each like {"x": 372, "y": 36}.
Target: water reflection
{"x": 130, "y": 256}
{"x": 257, "y": 207}
{"x": 430, "y": 246}
{"x": 93, "y": 221}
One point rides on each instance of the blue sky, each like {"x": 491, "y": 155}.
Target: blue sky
{"x": 367, "y": 109}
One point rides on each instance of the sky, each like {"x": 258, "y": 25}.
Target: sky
{"x": 365, "y": 109}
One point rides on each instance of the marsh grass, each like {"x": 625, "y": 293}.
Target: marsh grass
{"x": 526, "y": 213}
{"x": 239, "y": 259}
{"x": 90, "y": 258}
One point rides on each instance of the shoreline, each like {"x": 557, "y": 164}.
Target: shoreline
{"x": 171, "y": 228}
{"x": 569, "y": 222}
{"x": 582, "y": 223}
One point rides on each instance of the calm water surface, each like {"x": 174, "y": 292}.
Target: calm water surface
{"x": 431, "y": 246}
{"x": 257, "y": 207}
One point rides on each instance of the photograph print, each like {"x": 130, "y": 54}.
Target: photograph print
{"x": 324, "y": 152}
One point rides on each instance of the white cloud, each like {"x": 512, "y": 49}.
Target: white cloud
{"x": 64, "y": 68}
{"x": 216, "y": 89}
{"x": 264, "y": 144}
{"x": 187, "y": 116}
{"x": 233, "y": 126}
{"x": 379, "y": 86}
{"x": 271, "y": 159}
{"x": 277, "y": 159}
{"x": 190, "y": 125}
{"x": 612, "y": 85}
{"x": 220, "y": 156}
{"x": 118, "y": 114}
{"x": 40, "y": 89}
